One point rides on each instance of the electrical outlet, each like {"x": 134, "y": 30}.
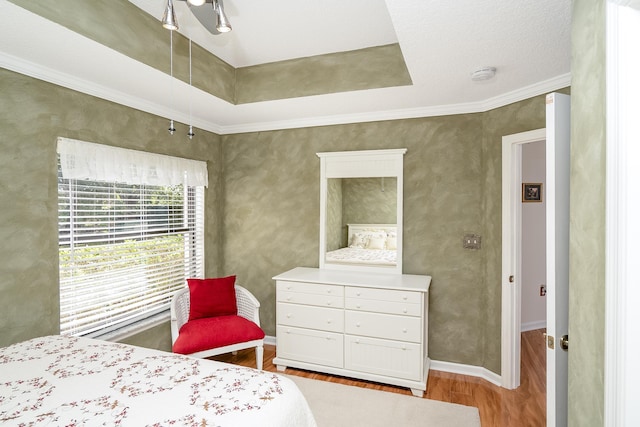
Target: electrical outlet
{"x": 543, "y": 290}
{"x": 471, "y": 241}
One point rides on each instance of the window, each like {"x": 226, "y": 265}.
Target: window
{"x": 124, "y": 247}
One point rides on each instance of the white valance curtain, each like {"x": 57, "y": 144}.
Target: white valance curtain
{"x": 97, "y": 162}
{"x": 631, "y": 3}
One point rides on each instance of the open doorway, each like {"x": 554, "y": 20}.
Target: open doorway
{"x": 557, "y": 147}
{"x": 533, "y": 242}
{"x": 514, "y": 174}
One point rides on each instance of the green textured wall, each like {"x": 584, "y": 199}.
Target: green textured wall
{"x": 334, "y": 214}
{"x": 32, "y": 115}
{"x": 587, "y": 224}
{"x": 374, "y": 67}
{"x": 369, "y": 200}
{"x": 452, "y": 186}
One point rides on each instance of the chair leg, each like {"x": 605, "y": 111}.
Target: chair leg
{"x": 259, "y": 356}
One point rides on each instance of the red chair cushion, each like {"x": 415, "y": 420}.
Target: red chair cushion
{"x": 212, "y": 297}
{"x": 206, "y": 334}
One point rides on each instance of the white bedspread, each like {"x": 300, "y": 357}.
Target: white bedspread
{"x": 362, "y": 256}
{"x": 64, "y": 381}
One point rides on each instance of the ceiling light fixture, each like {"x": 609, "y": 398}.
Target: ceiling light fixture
{"x": 222, "y": 24}
{"x": 191, "y": 134}
{"x": 484, "y": 73}
{"x": 169, "y": 20}
{"x": 172, "y": 128}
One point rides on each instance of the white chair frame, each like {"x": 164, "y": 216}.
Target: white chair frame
{"x": 248, "y": 307}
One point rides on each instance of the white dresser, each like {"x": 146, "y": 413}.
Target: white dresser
{"x": 370, "y": 326}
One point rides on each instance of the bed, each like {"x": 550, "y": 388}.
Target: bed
{"x": 60, "y": 380}
{"x": 372, "y": 244}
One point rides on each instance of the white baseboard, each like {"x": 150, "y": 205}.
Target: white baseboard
{"x": 530, "y": 326}
{"x": 269, "y": 340}
{"x": 474, "y": 371}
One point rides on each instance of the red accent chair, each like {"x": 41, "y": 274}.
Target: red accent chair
{"x": 211, "y": 336}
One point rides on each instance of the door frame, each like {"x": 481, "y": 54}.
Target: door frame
{"x": 621, "y": 373}
{"x": 511, "y": 249}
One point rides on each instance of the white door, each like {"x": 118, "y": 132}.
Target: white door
{"x": 511, "y": 251}
{"x": 557, "y": 200}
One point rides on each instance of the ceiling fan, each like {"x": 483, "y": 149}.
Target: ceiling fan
{"x": 212, "y": 18}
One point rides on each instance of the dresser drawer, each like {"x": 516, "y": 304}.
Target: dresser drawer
{"x": 401, "y": 328}
{"x": 305, "y": 345}
{"x": 310, "y": 299}
{"x": 387, "y": 295}
{"x": 309, "y": 288}
{"x": 304, "y": 316}
{"x": 379, "y": 306}
{"x": 383, "y": 357}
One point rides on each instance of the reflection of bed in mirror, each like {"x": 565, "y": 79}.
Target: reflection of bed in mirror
{"x": 369, "y": 244}
{"x": 360, "y": 188}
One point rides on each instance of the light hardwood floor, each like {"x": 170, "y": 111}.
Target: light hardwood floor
{"x": 523, "y": 407}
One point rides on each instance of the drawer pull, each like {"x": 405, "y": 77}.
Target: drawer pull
{"x": 404, "y": 331}
{"x": 329, "y": 321}
{"x": 404, "y": 297}
{"x": 289, "y": 316}
{"x": 357, "y": 341}
{"x": 328, "y": 302}
{"x": 288, "y": 298}
{"x": 328, "y": 338}
{"x": 288, "y": 288}
{"x": 328, "y": 291}
{"x": 288, "y": 331}
{"x": 357, "y": 305}
{"x": 404, "y": 310}
{"x": 404, "y": 347}
{"x": 357, "y": 294}
{"x": 358, "y": 325}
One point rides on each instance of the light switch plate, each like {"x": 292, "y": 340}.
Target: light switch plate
{"x": 471, "y": 241}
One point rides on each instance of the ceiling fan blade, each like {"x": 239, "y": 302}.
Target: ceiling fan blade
{"x": 206, "y": 15}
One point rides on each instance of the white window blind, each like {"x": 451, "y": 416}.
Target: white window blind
{"x": 124, "y": 249}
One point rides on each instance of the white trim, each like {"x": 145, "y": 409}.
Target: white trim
{"x": 470, "y": 370}
{"x": 532, "y": 326}
{"x": 40, "y": 72}
{"x": 614, "y": 340}
{"x": 511, "y": 242}
{"x": 270, "y": 340}
{"x": 622, "y": 230}
{"x": 521, "y": 94}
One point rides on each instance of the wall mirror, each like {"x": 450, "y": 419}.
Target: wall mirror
{"x": 361, "y": 210}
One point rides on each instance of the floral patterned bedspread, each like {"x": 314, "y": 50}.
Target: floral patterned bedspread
{"x": 69, "y": 381}
{"x": 362, "y": 256}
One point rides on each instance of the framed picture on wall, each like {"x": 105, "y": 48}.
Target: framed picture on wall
{"x": 531, "y": 192}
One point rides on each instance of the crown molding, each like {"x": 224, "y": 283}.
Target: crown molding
{"x": 37, "y": 71}
{"x": 49, "y": 75}
{"x": 527, "y": 92}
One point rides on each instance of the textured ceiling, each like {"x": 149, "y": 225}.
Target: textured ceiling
{"x": 442, "y": 43}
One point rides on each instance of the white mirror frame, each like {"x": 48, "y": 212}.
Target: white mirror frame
{"x": 361, "y": 164}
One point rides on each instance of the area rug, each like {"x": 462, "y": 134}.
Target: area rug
{"x": 337, "y": 405}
